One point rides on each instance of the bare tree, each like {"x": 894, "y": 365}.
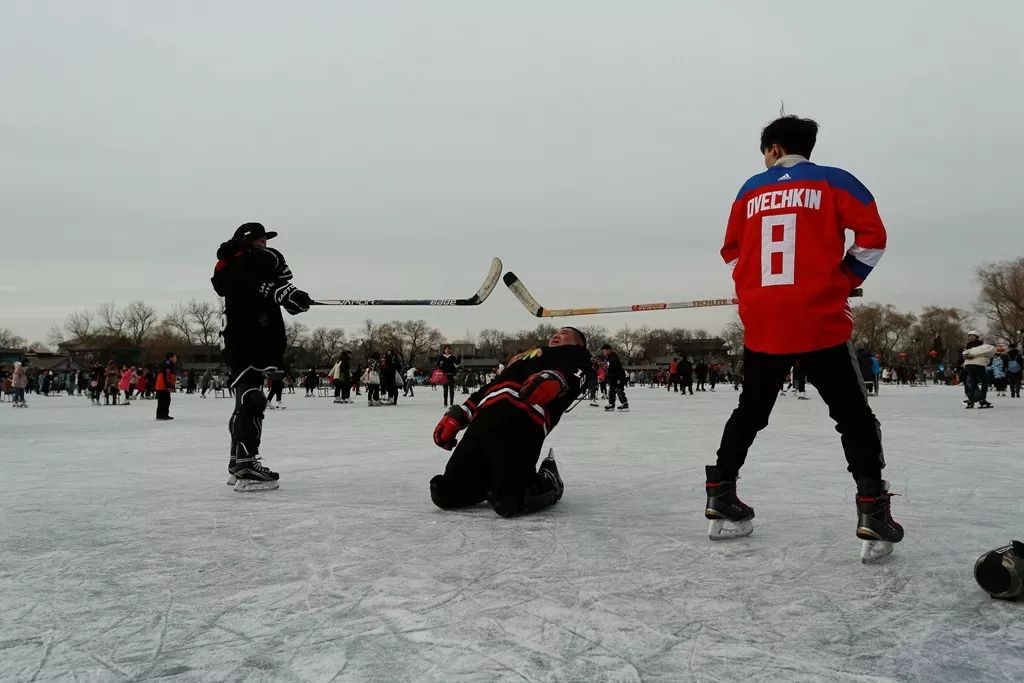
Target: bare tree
{"x": 490, "y": 343}
{"x": 1001, "y": 298}
{"x": 55, "y": 337}
{"x": 628, "y": 341}
{"x": 111, "y": 319}
{"x": 418, "y": 339}
{"x": 295, "y": 335}
{"x": 139, "y": 320}
{"x": 9, "y": 340}
{"x": 78, "y": 324}
{"x": 597, "y": 336}
{"x": 205, "y": 318}
{"x": 939, "y": 330}
{"x": 882, "y": 329}
{"x": 733, "y": 336}
{"x": 179, "y": 320}
{"x": 324, "y": 344}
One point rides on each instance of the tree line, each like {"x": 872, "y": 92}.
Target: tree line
{"x": 881, "y": 328}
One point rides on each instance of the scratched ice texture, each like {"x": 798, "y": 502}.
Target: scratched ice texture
{"x": 125, "y": 556}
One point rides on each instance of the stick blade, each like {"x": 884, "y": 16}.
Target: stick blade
{"x": 490, "y": 282}
{"x": 520, "y": 291}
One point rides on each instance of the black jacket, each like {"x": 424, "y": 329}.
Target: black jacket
{"x": 498, "y": 404}
{"x": 449, "y": 364}
{"x": 615, "y": 370}
{"x": 254, "y": 333}
{"x": 867, "y": 371}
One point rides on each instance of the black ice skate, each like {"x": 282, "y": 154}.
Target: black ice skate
{"x": 875, "y": 525}
{"x": 730, "y": 517}
{"x": 549, "y": 470}
{"x": 250, "y": 475}
{"x": 624, "y": 407}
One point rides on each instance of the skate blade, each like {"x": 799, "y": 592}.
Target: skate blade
{"x": 724, "y": 530}
{"x": 231, "y": 480}
{"x": 874, "y": 550}
{"x": 249, "y": 486}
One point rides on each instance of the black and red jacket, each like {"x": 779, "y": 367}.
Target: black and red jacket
{"x": 500, "y": 400}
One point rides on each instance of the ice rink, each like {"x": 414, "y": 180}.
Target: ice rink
{"x": 123, "y": 555}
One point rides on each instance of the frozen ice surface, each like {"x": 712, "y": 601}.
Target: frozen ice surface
{"x": 123, "y": 555}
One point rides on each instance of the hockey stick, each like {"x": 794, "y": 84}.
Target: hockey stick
{"x": 534, "y": 307}
{"x": 481, "y": 294}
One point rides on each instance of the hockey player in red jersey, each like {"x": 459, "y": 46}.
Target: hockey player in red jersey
{"x": 506, "y": 422}
{"x": 785, "y": 242}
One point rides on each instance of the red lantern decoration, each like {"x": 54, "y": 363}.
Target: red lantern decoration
{"x": 933, "y": 353}
{"x": 903, "y": 355}
{"x": 1000, "y": 349}
{"x": 878, "y": 355}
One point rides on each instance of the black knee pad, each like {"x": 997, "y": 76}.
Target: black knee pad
{"x": 252, "y": 402}
{"x": 437, "y": 492}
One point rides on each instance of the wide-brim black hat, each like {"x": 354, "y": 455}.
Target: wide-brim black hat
{"x": 253, "y": 231}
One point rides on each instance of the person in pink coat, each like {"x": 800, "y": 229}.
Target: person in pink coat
{"x": 127, "y": 383}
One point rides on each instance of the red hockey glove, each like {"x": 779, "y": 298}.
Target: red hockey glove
{"x": 543, "y": 387}
{"x": 455, "y": 419}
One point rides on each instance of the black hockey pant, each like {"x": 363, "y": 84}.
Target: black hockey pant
{"x": 616, "y": 389}
{"x": 246, "y": 423}
{"x": 496, "y": 461}
{"x": 834, "y": 372}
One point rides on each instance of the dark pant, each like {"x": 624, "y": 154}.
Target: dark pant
{"x": 977, "y": 383}
{"x": 338, "y": 384}
{"x": 800, "y": 378}
{"x": 496, "y": 461}
{"x": 674, "y": 382}
{"x": 449, "y": 390}
{"x": 163, "y": 404}
{"x": 616, "y": 389}
{"x": 1014, "y": 379}
{"x": 836, "y": 375}
{"x": 276, "y": 387}
{"x": 246, "y": 422}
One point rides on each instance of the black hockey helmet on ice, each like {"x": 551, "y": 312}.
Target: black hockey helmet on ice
{"x": 253, "y": 231}
{"x": 1000, "y": 572}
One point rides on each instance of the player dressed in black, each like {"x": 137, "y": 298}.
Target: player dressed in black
{"x": 507, "y": 421}
{"x": 255, "y": 282}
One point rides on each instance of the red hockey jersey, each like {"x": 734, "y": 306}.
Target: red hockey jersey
{"x": 785, "y": 241}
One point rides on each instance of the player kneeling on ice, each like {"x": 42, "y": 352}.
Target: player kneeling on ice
{"x": 506, "y": 422}
{"x": 785, "y": 240}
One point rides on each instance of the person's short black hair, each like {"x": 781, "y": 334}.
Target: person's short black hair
{"x": 792, "y": 133}
{"x": 606, "y": 346}
{"x": 582, "y": 338}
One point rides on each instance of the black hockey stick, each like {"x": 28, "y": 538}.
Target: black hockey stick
{"x": 534, "y": 307}
{"x": 481, "y": 294}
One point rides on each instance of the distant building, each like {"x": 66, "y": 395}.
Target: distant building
{"x": 99, "y": 349}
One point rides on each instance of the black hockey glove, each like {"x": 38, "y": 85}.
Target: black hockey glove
{"x": 297, "y": 302}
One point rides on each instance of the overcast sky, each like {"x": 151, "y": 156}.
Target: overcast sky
{"x": 594, "y": 146}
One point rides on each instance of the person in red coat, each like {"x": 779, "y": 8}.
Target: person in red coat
{"x": 164, "y": 385}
